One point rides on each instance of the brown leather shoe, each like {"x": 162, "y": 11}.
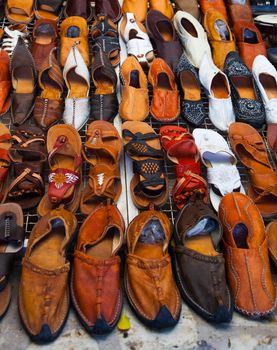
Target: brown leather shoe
{"x": 188, "y": 6}
{"x": 148, "y": 278}
{"x": 220, "y": 36}
{"x": 95, "y": 279}
{"x": 215, "y": 5}
{"x": 44, "y": 277}
{"x": 249, "y": 41}
{"x": 74, "y": 30}
{"x": 5, "y": 82}
{"x": 239, "y": 12}
{"x": 24, "y": 76}
{"x": 111, "y": 8}
{"x": 199, "y": 264}
{"x": 164, "y": 38}
{"x": 45, "y": 35}
{"x": 246, "y": 254}
{"x": 164, "y": 6}
{"x": 138, "y": 8}
{"x": 165, "y": 105}
{"x": 134, "y": 102}
{"x": 81, "y": 8}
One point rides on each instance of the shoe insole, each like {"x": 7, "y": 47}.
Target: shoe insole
{"x": 134, "y": 79}
{"x": 104, "y": 84}
{"x": 78, "y": 87}
{"x": 149, "y": 251}
{"x": 244, "y": 87}
{"x": 250, "y": 37}
{"x": 269, "y": 84}
{"x": 201, "y": 244}
{"x": 163, "y": 82}
{"x": 47, "y": 252}
{"x": 165, "y": 29}
{"x": 219, "y": 87}
{"x": 51, "y": 88}
{"x": 189, "y": 27}
{"x": 240, "y": 234}
{"x": 104, "y": 248}
{"x": 22, "y": 82}
{"x": 190, "y": 86}
{"x": 44, "y": 34}
{"x": 222, "y": 30}
{"x": 73, "y": 32}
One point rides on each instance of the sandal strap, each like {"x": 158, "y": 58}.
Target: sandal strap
{"x": 5, "y": 137}
{"x": 60, "y": 181}
{"x": 224, "y": 179}
{"x": 107, "y": 43}
{"x": 264, "y": 182}
{"x": 55, "y": 5}
{"x": 63, "y": 147}
{"x": 151, "y": 170}
{"x": 10, "y": 232}
{"x": 137, "y": 146}
{"x": 103, "y": 26}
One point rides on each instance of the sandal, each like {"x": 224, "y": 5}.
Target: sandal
{"x": 18, "y": 11}
{"x": 149, "y": 184}
{"x": 5, "y": 144}
{"x": 222, "y": 174}
{"x": 102, "y": 151}
{"x": 64, "y": 148}
{"x": 104, "y": 33}
{"x": 181, "y": 150}
{"x": 249, "y": 147}
{"x": 45, "y": 9}
{"x": 11, "y": 242}
{"x": 28, "y": 155}
{"x": 136, "y": 39}
{"x": 49, "y": 105}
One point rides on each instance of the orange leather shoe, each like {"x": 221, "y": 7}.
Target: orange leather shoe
{"x": 164, "y": 6}
{"x": 95, "y": 279}
{"x": 138, "y": 8}
{"x": 215, "y": 5}
{"x": 246, "y": 255}
{"x": 249, "y": 41}
{"x": 134, "y": 102}
{"x": 271, "y": 232}
{"x": 74, "y": 30}
{"x": 220, "y": 36}
{"x": 239, "y": 12}
{"x": 148, "y": 278}
{"x": 5, "y": 82}
{"x": 165, "y": 106}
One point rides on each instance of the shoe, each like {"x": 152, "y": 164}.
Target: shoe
{"x": 74, "y": 31}
{"x": 188, "y": 6}
{"x": 45, "y": 36}
{"x": 77, "y": 79}
{"x": 164, "y": 38}
{"x": 44, "y": 276}
{"x": 49, "y": 105}
{"x": 271, "y": 235}
{"x": 165, "y": 105}
{"x": 111, "y": 8}
{"x": 220, "y": 36}
{"x": 265, "y": 76}
{"x": 24, "y": 76}
{"x": 249, "y": 41}
{"x": 192, "y": 106}
{"x": 193, "y": 37}
{"x": 96, "y": 267}
{"x": 239, "y": 11}
{"x": 246, "y": 97}
{"x": 80, "y": 8}
{"x": 138, "y": 8}
{"x": 134, "y": 101}
{"x": 215, "y": 5}
{"x": 149, "y": 284}
{"x": 51, "y": 10}
{"x": 218, "y": 90}
{"x": 246, "y": 254}
{"x": 164, "y": 6}
{"x": 250, "y": 149}
{"x": 5, "y": 82}
{"x": 199, "y": 264}
{"x": 104, "y": 103}
{"x": 18, "y": 11}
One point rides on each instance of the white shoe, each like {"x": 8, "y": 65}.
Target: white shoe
{"x": 216, "y": 83}
{"x": 77, "y": 79}
{"x": 193, "y": 37}
{"x": 266, "y": 78}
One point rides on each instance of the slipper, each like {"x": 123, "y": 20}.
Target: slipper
{"x": 271, "y": 233}
{"x": 249, "y": 147}
{"x": 48, "y": 9}
{"x": 11, "y": 242}
{"x": 149, "y": 184}
{"x": 64, "y": 147}
{"x": 102, "y": 151}
{"x": 181, "y": 149}
{"x": 222, "y": 173}
{"x": 18, "y": 11}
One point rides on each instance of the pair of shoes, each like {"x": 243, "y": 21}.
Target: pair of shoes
{"x": 134, "y": 106}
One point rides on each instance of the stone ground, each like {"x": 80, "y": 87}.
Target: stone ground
{"x": 191, "y": 333}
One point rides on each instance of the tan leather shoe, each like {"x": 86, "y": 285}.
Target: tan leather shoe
{"x": 134, "y": 102}
{"x": 44, "y": 277}
{"x": 149, "y": 283}
{"x": 138, "y": 8}
{"x": 74, "y": 30}
{"x": 246, "y": 255}
{"x": 220, "y": 36}
{"x": 164, "y": 6}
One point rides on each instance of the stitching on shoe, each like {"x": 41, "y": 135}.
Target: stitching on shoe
{"x": 250, "y": 282}
{"x": 264, "y": 284}
{"x": 235, "y": 273}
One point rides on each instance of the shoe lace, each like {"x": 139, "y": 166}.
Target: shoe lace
{"x": 10, "y": 42}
